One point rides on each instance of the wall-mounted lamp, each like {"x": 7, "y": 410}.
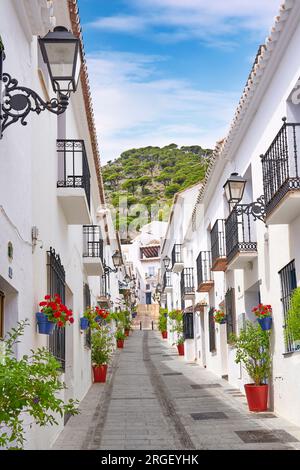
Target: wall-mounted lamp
{"x": 61, "y": 53}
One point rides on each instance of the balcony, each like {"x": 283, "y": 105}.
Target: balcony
{"x": 218, "y": 246}
{"x": 167, "y": 282}
{"x": 187, "y": 284}
{"x": 281, "y": 178}
{"x": 92, "y": 250}
{"x": 73, "y": 185}
{"x": 241, "y": 247}
{"x": 177, "y": 259}
{"x": 204, "y": 275}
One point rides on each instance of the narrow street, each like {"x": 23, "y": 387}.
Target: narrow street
{"x": 153, "y": 399}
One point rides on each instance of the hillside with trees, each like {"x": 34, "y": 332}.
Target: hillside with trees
{"x": 145, "y": 181}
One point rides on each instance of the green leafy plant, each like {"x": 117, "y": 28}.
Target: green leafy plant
{"x": 102, "y": 346}
{"x": 119, "y": 335}
{"x": 177, "y": 317}
{"x": 253, "y": 352}
{"x": 163, "y": 319}
{"x": 292, "y": 327}
{"x": 29, "y": 386}
{"x": 219, "y": 316}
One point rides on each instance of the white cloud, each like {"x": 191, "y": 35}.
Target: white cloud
{"x": 179, "y": 20}
{"x": 134, "y": 107}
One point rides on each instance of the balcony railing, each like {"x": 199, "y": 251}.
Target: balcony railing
{"x": 92, "y": 242}
{"x": 187, "y": 282}
{"x": 177, "y": 254}
{"x": 281, "y": 165}
{"x": 167, "y": 280}
{"x": 73, "y": 167}
{"x": 218, "y": 246}
{"x": 240, "y": 233}
{"x": 204, "y": 275}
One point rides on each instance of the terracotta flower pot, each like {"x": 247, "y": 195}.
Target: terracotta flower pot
{"x": 120, "y": 343}
{"x": 164, "y": 334}
{"x": 180, "y": 348}
{"x": 100, "y": 373}
{"x": 126, "y": 332}
{"x": 257, "y": 397}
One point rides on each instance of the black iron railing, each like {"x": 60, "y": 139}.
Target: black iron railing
{"x": 177, "y": 254}
{"x": 187, "y": 281}
{"x": 73, "y": 167}
{"x": 86, "y": 304}
{"x": 56, "y": 285}
{"x": 281, "y": 165}
{"x": 239, "y": 232}
{"x": 167, "y": 279}
{"x": 230, "y": 312}
{"x": 217, "y": 234}
{"x": 92, "y": 242}
{"x": 204, "y": 267}
{"x": 288, "y": 281}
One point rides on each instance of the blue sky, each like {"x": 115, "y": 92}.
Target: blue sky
{"x": 165, "y": 71}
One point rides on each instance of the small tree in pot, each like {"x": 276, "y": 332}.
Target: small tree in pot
{"x": 102, "y": 348}
{"x": 162, "y": 322}
{"x": 254, "y": 353}
{"x": 177, "y": 317}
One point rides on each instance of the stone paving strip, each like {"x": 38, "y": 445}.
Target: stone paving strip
{"x": 154, "y": 400}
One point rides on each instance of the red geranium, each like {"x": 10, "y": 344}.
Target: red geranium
{"x": 262, "y": 311}
{"x": 56, "y": 311}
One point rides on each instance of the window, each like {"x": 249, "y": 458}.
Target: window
{"x": 230, "y": 312}
{"x": 86, "y": 304}
{"x": 1, "y": 315}
{"x": 288, "y": 281}
{"x": 151, "y": 271}
{"x": 56, "y": 285}
{"x": 212, "y": 330}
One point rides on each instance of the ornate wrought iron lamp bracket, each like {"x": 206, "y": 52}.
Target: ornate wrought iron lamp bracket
{"x": 19, "y": 101}
{"x": 256, "y": 209}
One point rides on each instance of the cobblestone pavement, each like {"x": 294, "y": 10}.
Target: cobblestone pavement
{"x": 155, "y": 400}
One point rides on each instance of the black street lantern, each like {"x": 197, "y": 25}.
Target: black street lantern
{"x": 159, "y": 288}
{"x": 117, "y": 259}
{"x": 127, "y": 279}
{"x": 61, "y": 53}
{"x": 167, "y": 262}
{"x": 234, "y": 188}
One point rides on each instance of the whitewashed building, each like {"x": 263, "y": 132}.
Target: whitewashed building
{"x": 143, "y": 254}
{"x": 52, "y": 238}
{"x": 251, "y": 252}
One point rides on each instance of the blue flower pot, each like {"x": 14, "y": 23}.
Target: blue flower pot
{"x": 45, "y": 326}
{"x": 222, "y": 322}
{"x": 84, "y": 323}
{"x": 265, "y": 323}
{"x": 133, "y": 315}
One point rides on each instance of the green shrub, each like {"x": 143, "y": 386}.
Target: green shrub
{"x": 29, "y": 385}
{"x": 102, "y": 346}
{"x": 253, "y": 352}
{"x": 292, "y": 330}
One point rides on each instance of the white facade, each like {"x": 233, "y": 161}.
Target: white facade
{"x": 252, "y": 269}
{"x": 146, "y": 267}
{"x": 29, "y": 197}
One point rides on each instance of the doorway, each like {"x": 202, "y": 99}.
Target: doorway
{"x": 148, "y": 298}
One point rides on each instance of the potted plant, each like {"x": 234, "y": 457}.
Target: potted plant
{"x": 120, "y": 337}
{"x": 254, "y": 353}
{"x": 53, "y": 312}
{"x": 102, "y": 347}
{"x": 162, "y": 322}
{"x": 30, "y": 388}
{"x": 292, "y": 326}
{"x": 127, "y": 323}
{"x": 219, "y": 317}
{"x": 177, "y": 317}
{"x": 264, "y": 316}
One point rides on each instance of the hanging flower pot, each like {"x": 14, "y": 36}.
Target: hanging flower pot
{"x": 265, "y": 323}
{"x": 84, "y": 323}
{"x": 100, "y": 372}
{"x": 257, "y": 397}
{"x": 45, "y": 326}
{"x": 180, "y": 348}
{"x": 134, "y": 314}
{"x": 120, "y": 343}
{"x": 164, "y": 334}
{"x": 219, "y": 317}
